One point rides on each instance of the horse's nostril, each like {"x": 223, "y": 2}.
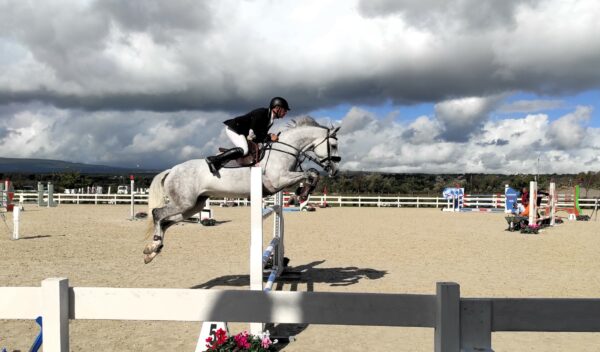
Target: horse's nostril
{"x": 336, "y": 159}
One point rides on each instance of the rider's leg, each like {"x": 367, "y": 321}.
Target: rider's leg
{"x": 239, "y": 140}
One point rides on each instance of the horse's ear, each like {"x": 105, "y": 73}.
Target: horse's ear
{"x": 335, "y": 131}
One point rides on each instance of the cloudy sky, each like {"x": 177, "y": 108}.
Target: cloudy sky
{"x": 417, "y": 85}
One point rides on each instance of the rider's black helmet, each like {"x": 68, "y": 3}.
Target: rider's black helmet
{"x": 279, "y": 101}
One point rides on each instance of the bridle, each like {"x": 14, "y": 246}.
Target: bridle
{"x": 301, "y": 155}
{"x": 325, "y": 163}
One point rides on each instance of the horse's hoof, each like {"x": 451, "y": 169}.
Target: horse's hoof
{"x": 148, "y": 257}
{"x": 155, "y": 246}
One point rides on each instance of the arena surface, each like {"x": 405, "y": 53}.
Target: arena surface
{"x": 391, "y": 250}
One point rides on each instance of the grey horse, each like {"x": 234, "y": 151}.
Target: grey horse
{"x": 182, "y": 191}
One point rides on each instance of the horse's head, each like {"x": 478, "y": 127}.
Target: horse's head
{"x": 326, "y": 151}
{"x": 311, "y": 141}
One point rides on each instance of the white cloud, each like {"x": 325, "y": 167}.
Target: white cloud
{"x": 499, "y": 146}
{"x": 357, "y": 119}
{"x": 568, "y": 131}
{"x": 224, "y": 55}
{"x": 423, "y": 130}
{"x": 158, "y": 140}
{"x": 152, "y": 140}
{"x": 110, "y": 81}
{"x": 462, "y": 117}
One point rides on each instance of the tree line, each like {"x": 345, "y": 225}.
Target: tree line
{"x": 346, "y": 183}
{"x": 433, "y": 185}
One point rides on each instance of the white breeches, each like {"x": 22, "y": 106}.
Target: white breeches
{"x": 239, "y": 140}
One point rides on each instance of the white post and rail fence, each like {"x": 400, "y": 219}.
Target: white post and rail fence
{"x": 335, "y": 201}
{"x": 460, "y": 323}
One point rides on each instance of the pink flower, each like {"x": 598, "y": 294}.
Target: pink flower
{"x": 221, "y": 336}
{"x": 209, "y": 343}
{"x": 265, "y": 342}
{"x": 241, "y": 340}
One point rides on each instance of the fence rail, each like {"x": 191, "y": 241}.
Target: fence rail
{"x": 461, "y": 324}
{"x": 483, "y": 201}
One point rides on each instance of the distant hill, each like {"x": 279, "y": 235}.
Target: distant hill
{"x": 44, "y": 166}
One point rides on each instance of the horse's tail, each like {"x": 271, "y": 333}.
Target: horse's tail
{"x": 156, "y": 198}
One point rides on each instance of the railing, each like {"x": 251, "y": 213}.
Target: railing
{"x": 461, "y": 324}
{"x": 341, "y": 201}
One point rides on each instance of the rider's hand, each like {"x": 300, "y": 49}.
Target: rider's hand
{"x": 274, "y": 137}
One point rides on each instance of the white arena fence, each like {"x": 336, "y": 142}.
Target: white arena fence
{"x": 478, "y": 201}
{"x": 461, "y": 324}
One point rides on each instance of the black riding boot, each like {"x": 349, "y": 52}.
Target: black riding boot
{"x": 217, "y": 161}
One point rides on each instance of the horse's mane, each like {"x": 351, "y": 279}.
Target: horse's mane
{"x": 303, "y": 121}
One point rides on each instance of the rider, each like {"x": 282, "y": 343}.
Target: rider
{"x": 254, "y": 126}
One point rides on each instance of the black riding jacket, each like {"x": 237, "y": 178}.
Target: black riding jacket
{"x": 258, "y": 120}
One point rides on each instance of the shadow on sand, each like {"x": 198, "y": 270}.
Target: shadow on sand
{"x": 35, "y": 237}
{"x": 309, "y": 274}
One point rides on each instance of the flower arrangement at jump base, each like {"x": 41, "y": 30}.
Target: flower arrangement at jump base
{"x": 241, "y": 342}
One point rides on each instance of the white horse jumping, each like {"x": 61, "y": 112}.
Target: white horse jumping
{"x": 188, "y": 185}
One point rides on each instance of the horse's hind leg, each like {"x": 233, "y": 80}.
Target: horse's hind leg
{"x": 200, "y": 202}
{"x": 163, "y": 218}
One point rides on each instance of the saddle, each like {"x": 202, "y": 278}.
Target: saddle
{"x": 255, "y": 155}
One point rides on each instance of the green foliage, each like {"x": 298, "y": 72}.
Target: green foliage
{"x": 72, "y": 179}
{"x": 349, "y": 183}
{"x": 346, "y": 183}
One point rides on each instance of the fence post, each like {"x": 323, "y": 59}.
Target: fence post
{"x": 447, "y": 321}
{"x": 55, "y": 314}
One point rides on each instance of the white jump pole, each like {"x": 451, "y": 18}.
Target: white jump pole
{"x": 132, "y": 196}
{"x": 50, "y": 195}
{"x": 258, "y": 258}
{"x": 532, "y": 202}
{"x": 256, "y": 229}
{"x": 552, "y": 201}
{"x": 16, "y": 221}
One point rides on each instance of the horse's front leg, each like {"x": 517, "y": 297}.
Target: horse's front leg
{"x": 309, "y": 185}
{"x": 291, "y": 178}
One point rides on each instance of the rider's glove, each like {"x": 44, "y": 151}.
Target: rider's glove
{"x": 251, "y": 135}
